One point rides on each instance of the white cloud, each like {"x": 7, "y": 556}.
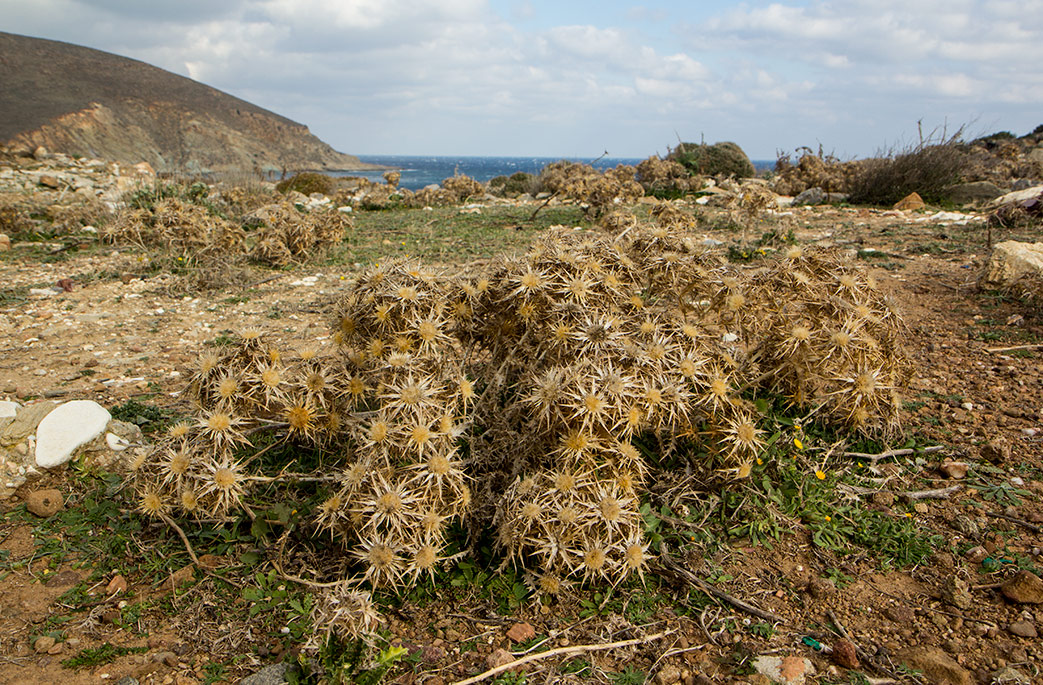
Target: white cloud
{"x": 504, "y": 76}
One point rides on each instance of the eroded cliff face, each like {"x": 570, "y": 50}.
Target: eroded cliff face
{"x": 174, "y": 140}
{"x": 80, "y": 101}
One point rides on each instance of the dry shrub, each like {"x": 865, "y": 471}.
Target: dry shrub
{"x": 286, "y": 234}
{"x": 549, "y": 367}
{"x": 308, "y": 182}
{"x": 188, "y": 231}
{"x": 583, "y": 183}
{"x": 813, "y": 171}
{"x": 725, "y": 159}
{"x": 462, "y": 187}
{"x": 15, "y": 219}
{"x": 70, "y": 218}
{"x": 929, "y": 168}
{"x": 432, "y": 197}
{"x": 518, "y": 183}
{"x": 666, "y": 178}
{"x": 243, "y": 198}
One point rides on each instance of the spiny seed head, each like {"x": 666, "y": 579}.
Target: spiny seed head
{"x": 438, "y": 464}
{"x": 356, "y": 387}
{"x": 466, "y": 389}
{"x": 398, "y": 360}
{"x": 270, "y": 377}
{"x": 403, "y": 343}
{"x": 594, "y": 559}
{"x": 531, "y": 281}
{"x": 332, "y": 505}
{"x": 378, "y": 431}
{"x": 179, "y": 462}
{"x": 840, "y": 338}
{"x": 375, "y": 348}
{"x": 794, "y": 252}
{"x": 425, "y": 558}
{"x": 687, "y": 368}
{"x": 219, "y": 422}
{"x": 800, "y": 333}
{"x": 865, "y": 383}
{"x": 610, "y": 509}
{"x": 225, "y": 478}
{"x": 382, "y": 313}
{"x": 421, "y": 435}
{"x": 208, "y": 362}
{"x": 389, "y": 502}
{"x": 189, "y": 500}
{"x": 380, "y": 557}
{"x": 530, "y": 511}
{"x": 348, "y": 326}
{"x": 151, "y": 503}
{"x": 412, "y": 393}
{"x": 301, "y": 418}
{"x": 564, "y": 481}
{"x": 315, "y": 382}
{"x": 407, "y": 293}
{"x": 568, "y": 515}
{"x": 227, "y": 388}
{"x": 577, "y": 441}
{"x": 549, "y": 584}
{"x": 428, "y": 330}
{"x": 637, "y": 302}
{"x": 634, "y": 557}
{"x": 746, "y": 433}
{"x": 848, "y": 281}
{"x": 647, "y": 327}
{"x": 593, "y": 404}
{"x": 719, "y": 387}
{"x": 179, "y": 430}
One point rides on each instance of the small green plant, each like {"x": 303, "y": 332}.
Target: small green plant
{"x": 149, "y": 418}
{"x": 97, "y": 656}
{"x": 631, "y": 675}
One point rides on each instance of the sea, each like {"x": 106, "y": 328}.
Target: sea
{"x": 420, "y": 171}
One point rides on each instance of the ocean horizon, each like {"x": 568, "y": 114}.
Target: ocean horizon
{"x": 419, "y": 171}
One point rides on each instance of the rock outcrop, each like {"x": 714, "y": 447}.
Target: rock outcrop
{"x": 85, "y": 102}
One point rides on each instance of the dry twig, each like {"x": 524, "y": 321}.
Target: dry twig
{"x": 904, "y": 452}
{"x": 676, "y": 569}
{"x": 578, "y": 649}
{"x": 1015, "y": 348}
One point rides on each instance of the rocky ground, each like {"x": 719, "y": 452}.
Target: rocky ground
{"x": 86, "y": 326}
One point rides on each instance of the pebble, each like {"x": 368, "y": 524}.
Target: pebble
{"x": 845, "y": 654}
{"x": 43, "y": 644}
{"x": 44, "y": 503}
{"x": 1023, "y": 629}
{"x": 520, "y": 632}
{"x": 1024, "y": 588}
{"x": 788, "y": 670}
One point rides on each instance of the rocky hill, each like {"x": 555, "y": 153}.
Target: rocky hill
{"x": 81, "y": 101}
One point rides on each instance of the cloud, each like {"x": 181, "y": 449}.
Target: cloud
{"x": 539, "y": 77}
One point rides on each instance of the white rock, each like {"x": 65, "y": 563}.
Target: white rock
{"x": 67, "y": 428}
{"x": 1012, "y": 261}
{"x": 8, "y": 409}
{"x": 116, "y": 443}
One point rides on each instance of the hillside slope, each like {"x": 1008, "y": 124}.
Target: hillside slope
{"x": 81, "y": 101}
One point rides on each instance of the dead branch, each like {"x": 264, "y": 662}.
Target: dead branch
{"x": 904, "y": 452}
{"x": 578, "y": 649}
{"x": 1015, "y": 348}
{"x": 939, "y": 493}
{"x": 1031, "y": 526}
{"x": 675, "y": 568}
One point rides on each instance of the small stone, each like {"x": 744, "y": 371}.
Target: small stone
{"x": 276, "y": 674}
{"x": 1023, "y": 629}
{"x": 995, "y": 451}
{"x": 117, "y": 585}
{"x": 1024, "y": 588}
{"x": 966, "y": 525}
{"x": 668, "y": 675}
{"x": 1009, "y": 676}
{"x": 58, "y": 648}
{"x": 520, "y": 632}
{"x": 921, "y": 507}
{"x": 957, "y": 592}
{"x": 976, "y": 555}
{"x": 811, "y": 196}
{"x": 822, "y": 588}
{"x": 937, "y": 666}
{"x": 845, "y": 654}
{"x": 5, "y": 242}
{"x": 183, "y": 576}
{"x": 789, "y": 670}
{"x": 49, "y": 182}
{"x": 45, "y": 503}
{"x": 957, "y": 470}
{"x": 501, "y": 657}
{"x": 900, "y": 614}
{"x": 43, "y": 644}
{"x": 910, "y": 202}
{"x": 884, "y": 499}
{"x": 167, "y": 658}
{"x": 127, "y": 680}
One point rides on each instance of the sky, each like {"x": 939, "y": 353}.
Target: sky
{"x": 578, "y": 78}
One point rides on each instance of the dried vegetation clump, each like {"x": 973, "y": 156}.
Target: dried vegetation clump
{"x": 813, "y": 171}
{"x": 531, "y": 384}
{"x": 666, "y": 178}
{"x": 187, "y": 230}
{"x": 585, "y": 184}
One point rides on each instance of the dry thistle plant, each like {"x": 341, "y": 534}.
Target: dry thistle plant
{"x": 562, "y": 358}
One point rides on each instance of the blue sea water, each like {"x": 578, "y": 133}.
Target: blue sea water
{"x": 418, "y": 171}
